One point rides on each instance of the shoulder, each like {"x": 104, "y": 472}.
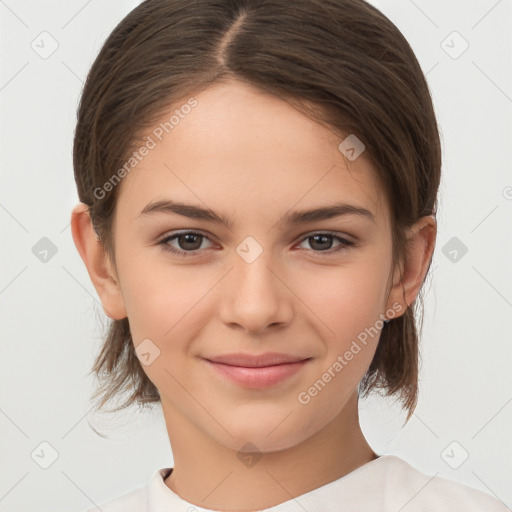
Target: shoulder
{"x": 407, "y": 487}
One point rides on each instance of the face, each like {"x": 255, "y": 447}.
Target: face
{"x": 195, "y": 288}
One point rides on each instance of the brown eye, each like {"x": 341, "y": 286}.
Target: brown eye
{"x": 187, "y": 241}
{"x": 323, "y": 242}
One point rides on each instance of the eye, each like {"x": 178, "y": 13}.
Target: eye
{"x": 322, "y": 242}
{"x": 188, "y": 242}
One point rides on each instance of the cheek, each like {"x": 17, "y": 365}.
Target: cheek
{"x": 170, "y": 308}
{"x": 165, "y": 303}
{"x": 347, "y": 299}
{"x": 346, "y": 303}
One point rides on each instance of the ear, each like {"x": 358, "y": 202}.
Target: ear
{"x": 421, "y": 239}
{"x": 100, "y": 269}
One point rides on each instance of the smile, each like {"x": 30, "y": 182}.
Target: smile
{"x": 256, "y": 377}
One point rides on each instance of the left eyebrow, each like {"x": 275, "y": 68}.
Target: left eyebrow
{"x": 325, "y": 213}
{"x": 293, "y": 218}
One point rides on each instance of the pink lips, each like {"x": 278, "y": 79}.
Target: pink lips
{"x": 257, "y": 371}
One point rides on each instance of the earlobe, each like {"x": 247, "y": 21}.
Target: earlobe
{"x": 99, "y": 267}
{"x": 421, "y": 238}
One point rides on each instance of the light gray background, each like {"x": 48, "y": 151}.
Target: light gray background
{"x": 51, "y": 318}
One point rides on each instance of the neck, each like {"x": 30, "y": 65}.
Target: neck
{"x": 210, "y": 475}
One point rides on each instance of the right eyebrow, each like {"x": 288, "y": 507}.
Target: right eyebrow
{"x": 187, "y": 210}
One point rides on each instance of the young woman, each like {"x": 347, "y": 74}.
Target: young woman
{"x": 258, "y": 183}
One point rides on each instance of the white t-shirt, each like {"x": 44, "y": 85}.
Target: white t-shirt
{"x": 385, "y": 484}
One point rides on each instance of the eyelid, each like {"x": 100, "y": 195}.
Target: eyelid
{"x": 303, "y": 236}
{"x": 346, "y": 241}
{"x": 191, "y": 231}
{"x": 339, "y": 234}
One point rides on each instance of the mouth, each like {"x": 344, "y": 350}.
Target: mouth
{"x": 257, "y": 372}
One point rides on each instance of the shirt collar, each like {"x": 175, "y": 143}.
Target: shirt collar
{"x": 163, "y": 499}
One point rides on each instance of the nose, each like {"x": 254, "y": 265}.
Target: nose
{"x": 255, "y": 296}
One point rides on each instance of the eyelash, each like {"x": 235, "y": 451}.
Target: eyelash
{"x": 345, "y": 244}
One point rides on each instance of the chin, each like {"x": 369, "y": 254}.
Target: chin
{"x": 266, "y": 439}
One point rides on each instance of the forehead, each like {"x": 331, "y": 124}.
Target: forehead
{"x": 241, "y": 150}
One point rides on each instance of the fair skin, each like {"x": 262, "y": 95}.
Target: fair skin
{"x": 252, "y": 158}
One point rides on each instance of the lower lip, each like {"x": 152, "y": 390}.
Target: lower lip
{"x": 256, "y": 378}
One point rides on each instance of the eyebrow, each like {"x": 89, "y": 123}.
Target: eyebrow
{"x": 292, "y": 218}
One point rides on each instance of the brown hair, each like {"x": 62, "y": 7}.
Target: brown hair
{"x": 341, "y": 62}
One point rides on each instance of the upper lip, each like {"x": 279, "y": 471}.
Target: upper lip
{"x": 256, "y": 361}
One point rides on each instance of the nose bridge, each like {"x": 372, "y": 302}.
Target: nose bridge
{"x": 254, "y": 274}
{"x": 256, "y": 296}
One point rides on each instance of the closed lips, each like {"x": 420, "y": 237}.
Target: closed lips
{"x": 256, "y": 361}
